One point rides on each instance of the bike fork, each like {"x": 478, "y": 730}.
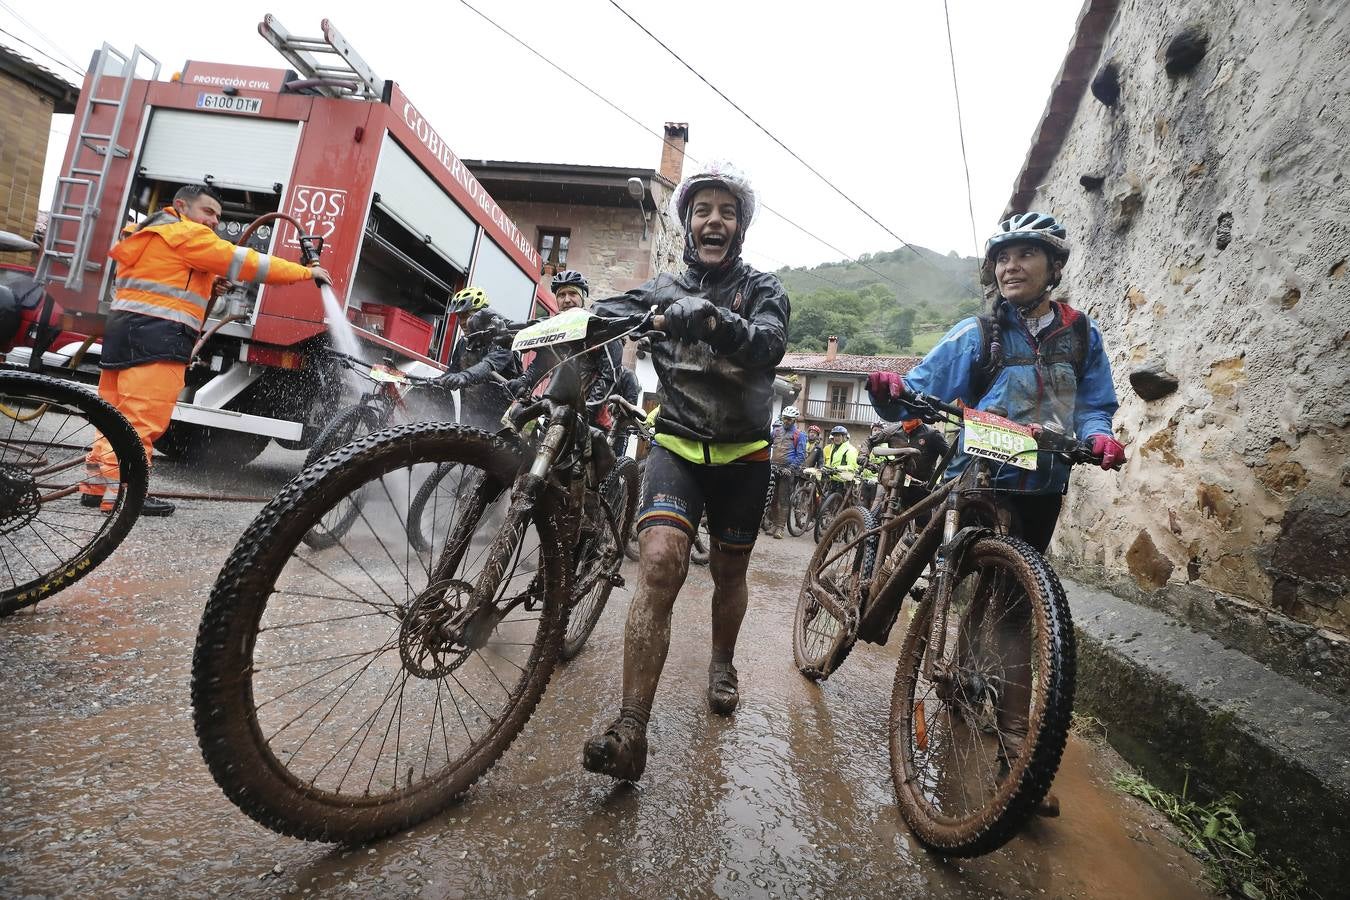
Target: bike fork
{"x": 482, "y": 611}
{"x": 942, "y": 596}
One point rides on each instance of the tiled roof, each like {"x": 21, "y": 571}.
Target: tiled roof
{"x": 846, "y": 362}
{"x": 62, "y": 92}
{"x": 1085, "y": 49}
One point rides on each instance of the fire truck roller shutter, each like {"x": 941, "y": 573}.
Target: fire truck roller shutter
{"x": 510, "y": 290}
{"x": 236, "y": 151}
{"x": 419, "y": 204}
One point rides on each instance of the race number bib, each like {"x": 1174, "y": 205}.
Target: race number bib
{"x": 565, "y": 327}
{"x": 387, "y": 375}
{"x": 997, "y": 438}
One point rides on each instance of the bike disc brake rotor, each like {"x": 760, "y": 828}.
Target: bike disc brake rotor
{"x": 19, "y": 498}
{"x": 427, "y": 644}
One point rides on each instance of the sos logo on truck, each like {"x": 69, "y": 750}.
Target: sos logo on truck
{"x": 318, "y": 209}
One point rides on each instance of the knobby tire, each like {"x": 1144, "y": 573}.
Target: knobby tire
{"x": 63, "y": 550}
{"x": 922, "y": 782}
{"x": 253, "y": 773}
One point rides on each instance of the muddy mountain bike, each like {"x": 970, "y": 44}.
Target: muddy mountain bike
{"x": 804, "y": 502}
{"x": 379, "y": 403}
{"x": 984, "y": 685}
{"x": 49, "y": 538}
{"x": 843, "y": 494}
{"x": 348, "y": 692}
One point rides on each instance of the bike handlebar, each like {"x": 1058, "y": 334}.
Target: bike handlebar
{"x": 362, "y": 368}
{"x": 1048, "y": 440}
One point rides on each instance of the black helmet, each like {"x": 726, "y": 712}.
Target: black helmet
{"x": 571, "y": 278}
{"x": 1038, "y": 228}
{"x": 481, "y": 327}
{"x": 839, "y": 429}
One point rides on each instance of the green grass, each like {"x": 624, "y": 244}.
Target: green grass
{"x": 925, "y": 341}
{"x": 1214, "y": 833}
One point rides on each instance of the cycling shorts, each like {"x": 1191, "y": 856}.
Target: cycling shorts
{"x": 677, "y": 493}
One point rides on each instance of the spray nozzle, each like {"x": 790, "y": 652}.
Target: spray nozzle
{"x": 311, "y": 246}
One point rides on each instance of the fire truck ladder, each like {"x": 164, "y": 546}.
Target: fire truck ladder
{"x": 79, "y": 193}
{"x": 348, "y": 75}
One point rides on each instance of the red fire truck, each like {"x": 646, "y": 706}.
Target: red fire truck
{"x": 341, "y": 153}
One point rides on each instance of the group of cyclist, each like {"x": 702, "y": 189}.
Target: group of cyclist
{"x": 489, "y": 375}
{"x": 1032, "y": 360}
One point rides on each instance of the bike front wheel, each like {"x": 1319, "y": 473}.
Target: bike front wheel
{"x": 599, "y": 556}
{"x": 821, "y": 640}
{"x": 976, "y": 739}
{"x": 345, "y": 693}
{"x": 829, "y": 508}
{"x": 436, "y": 501}
{"x": 49, "y": 538}
{"x": 349, "y": 425}
{"x": 799, "y": 509}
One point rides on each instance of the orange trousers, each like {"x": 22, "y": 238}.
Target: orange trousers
{"x": 145, "y": 394}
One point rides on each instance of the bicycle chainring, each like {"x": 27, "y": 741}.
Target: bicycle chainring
{"x": 19, "y": 498}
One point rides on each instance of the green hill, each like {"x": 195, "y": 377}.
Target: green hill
{"x": 883, "y": 303}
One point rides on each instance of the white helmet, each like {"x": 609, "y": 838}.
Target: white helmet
{"x": 722, "y": 173}
{"x": 790, "y": 412}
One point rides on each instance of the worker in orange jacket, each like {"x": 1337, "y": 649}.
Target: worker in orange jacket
{"x": 167, "y": 269}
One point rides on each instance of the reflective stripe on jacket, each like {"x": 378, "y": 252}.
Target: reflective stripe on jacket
{"x": 843, "y": 457}
{"x": 167, "y": 266}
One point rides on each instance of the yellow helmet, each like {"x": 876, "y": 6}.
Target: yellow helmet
{"x": 471, "y": 299}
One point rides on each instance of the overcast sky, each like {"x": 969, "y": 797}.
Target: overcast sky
{"x": 861, "y": 90}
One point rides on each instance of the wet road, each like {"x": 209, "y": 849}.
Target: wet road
{"x": 104, "y": 791}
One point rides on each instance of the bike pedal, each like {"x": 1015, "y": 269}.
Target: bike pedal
{"x": 616, "y": 579}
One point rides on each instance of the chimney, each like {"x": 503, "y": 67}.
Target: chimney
{"x": 831, "y": 348}
{"x": 672, "y": 151}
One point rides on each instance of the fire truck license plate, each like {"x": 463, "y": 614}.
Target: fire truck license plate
{"x": 227, "y": 103}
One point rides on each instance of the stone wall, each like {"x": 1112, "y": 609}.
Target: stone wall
{"x": 1209, "y": 210}
{"x": 606, "y": 242}
{"x": 25, "y": 119}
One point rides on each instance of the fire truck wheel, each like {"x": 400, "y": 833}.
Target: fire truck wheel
{"x": 214, "y": 446}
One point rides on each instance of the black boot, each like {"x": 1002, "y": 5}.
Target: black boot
{"x": 621, "y": 752}
{"x": 723, "y": 688}
{"x": 153, "y": 506}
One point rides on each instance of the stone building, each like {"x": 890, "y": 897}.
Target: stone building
{"x": 585, "y": 218}
{"x": 1197, "y": 152}
{"x": 831, "y": 387}
{"x": 29, "y": 96}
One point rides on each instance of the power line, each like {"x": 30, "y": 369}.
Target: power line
{"x": 593, "y": 92}
{"x": 961, "y": 130}
{"x": 812, "y": 169}
{"x": 9, "y": 9}
{"x": 43, "y": 53}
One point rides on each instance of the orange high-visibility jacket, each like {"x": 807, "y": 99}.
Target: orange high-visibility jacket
{"x": 165, "y": 269}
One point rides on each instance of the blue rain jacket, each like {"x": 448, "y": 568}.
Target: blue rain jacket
{"x": 1038, "y": 384}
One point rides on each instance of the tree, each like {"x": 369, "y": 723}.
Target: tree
{"x": 864, "y": 345}
{"x": 967, "y": 308}
{"x": 901, "y": 328}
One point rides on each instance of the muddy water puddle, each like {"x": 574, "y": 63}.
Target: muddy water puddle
{"x": 105, "y": 792}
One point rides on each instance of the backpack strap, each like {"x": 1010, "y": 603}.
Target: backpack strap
{"x": 992, "y": 360}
